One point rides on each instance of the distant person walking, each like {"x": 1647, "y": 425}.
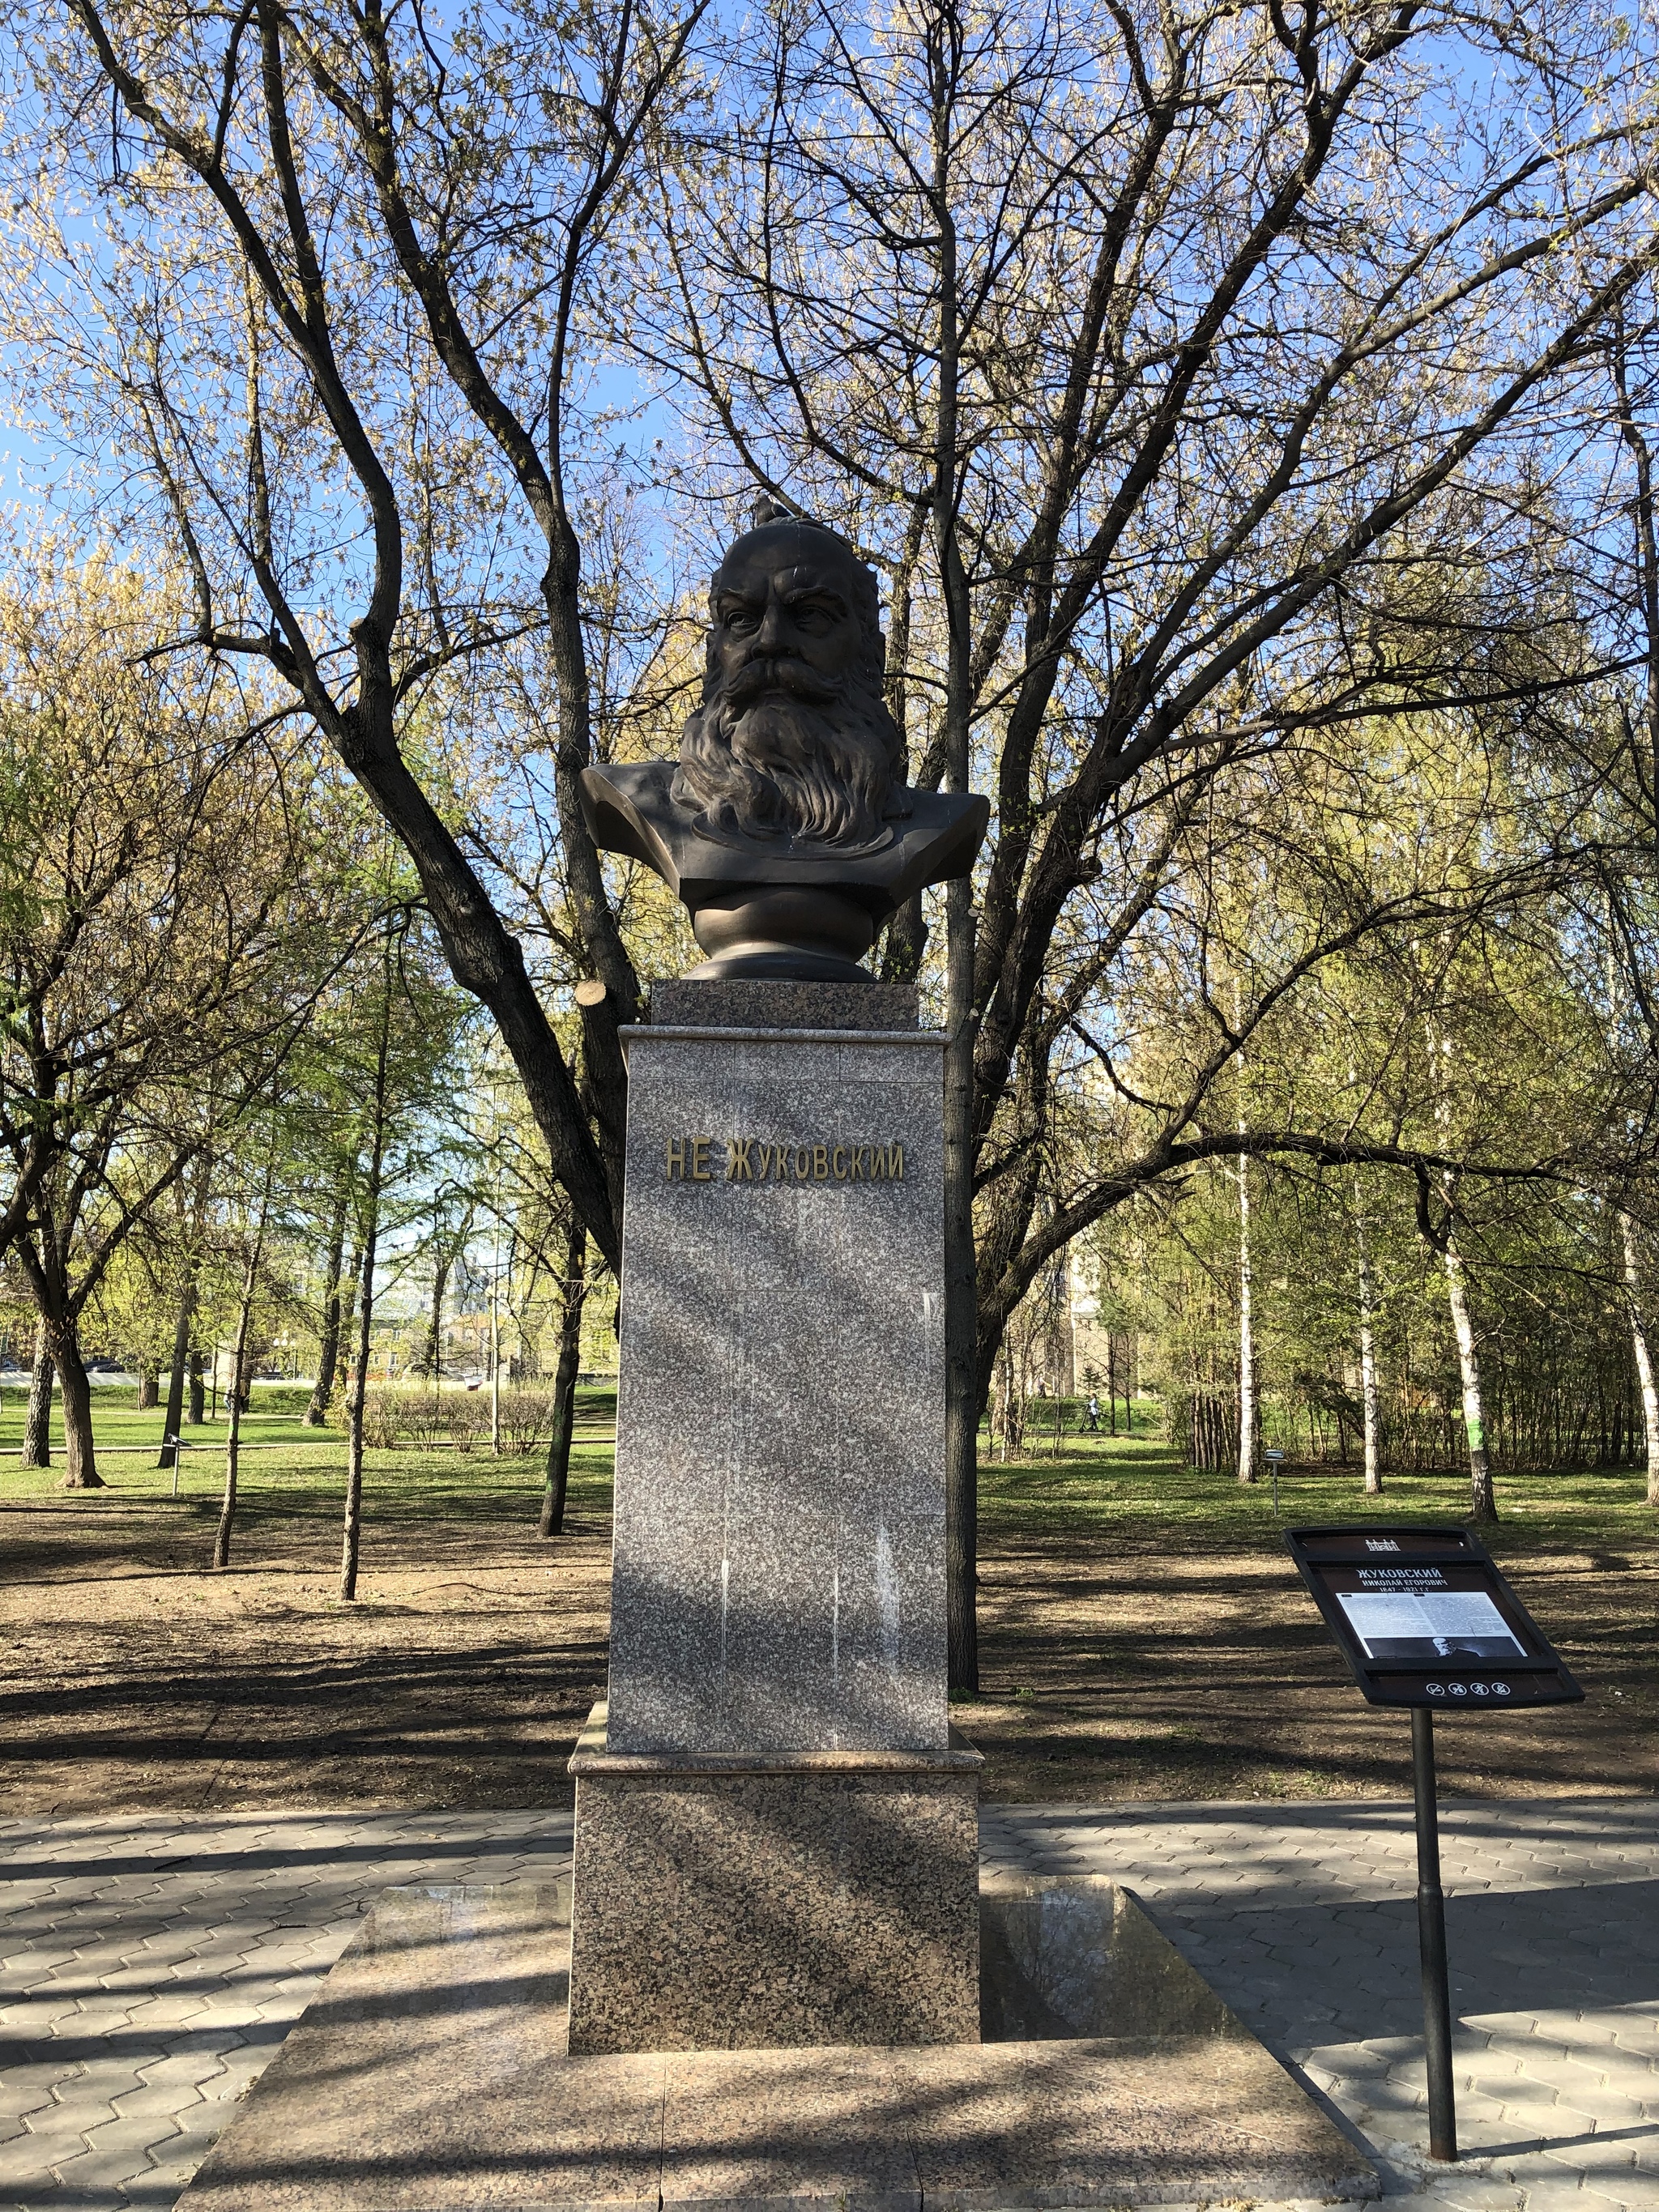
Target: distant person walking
{"x": 1093, "y": 1421}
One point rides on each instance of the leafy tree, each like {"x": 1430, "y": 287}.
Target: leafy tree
{"x": 168, "y": 909}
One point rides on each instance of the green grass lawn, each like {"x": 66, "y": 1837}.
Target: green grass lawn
{"x": 286, "y": 1468}
{"x": 1100, "y": 1482}
{"x": 1094, "y": 1484}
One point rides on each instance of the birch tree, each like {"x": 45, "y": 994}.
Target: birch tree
{"x": 252, "y": 1259}
{"x": 377, "y": 1117}
{"x": 1642, "y": 1345}
{"x": 1370, "y": 1410}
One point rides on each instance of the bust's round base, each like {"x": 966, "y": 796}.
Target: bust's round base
{"x": 778, "y": 963}
{"x": 792, "y": 932}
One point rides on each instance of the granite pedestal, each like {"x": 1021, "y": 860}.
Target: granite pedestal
{"x": 775, "y": 1837}
{"x": 807, "y": 1898}
{"x": 783, "y": 1986}
{"x": 778, "y": 1570}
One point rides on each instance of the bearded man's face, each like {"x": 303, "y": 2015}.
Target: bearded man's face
{"x": 793, "y": 739}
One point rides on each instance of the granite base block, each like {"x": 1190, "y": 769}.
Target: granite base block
{"x": 430, "y": 2075}
{"x": 757, "y": 1004}
{"x": 817, "y": 1899}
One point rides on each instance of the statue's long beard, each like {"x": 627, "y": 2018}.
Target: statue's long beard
{"x": 783, "y": 752}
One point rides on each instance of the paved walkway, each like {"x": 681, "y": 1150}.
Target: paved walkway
{"x": 1305, "y": 1919}
{"x": 151, "y": 1968}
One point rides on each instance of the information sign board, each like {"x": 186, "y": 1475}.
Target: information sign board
{"x": 1424, "y": 1617}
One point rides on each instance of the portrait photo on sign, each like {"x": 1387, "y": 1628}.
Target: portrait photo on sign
{"x": 1431, "y": 1624}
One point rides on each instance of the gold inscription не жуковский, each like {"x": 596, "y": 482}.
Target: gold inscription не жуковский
{"x": 746, "y": 1159}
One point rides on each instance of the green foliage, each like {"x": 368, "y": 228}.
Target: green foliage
{"x": 428, "y": 1417}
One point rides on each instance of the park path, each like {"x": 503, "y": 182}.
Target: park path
{"x": 151, "y": 1967}
{"x": 1304, "y": 1918}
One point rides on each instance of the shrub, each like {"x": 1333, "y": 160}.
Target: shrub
{"x": 398, "y": 1413}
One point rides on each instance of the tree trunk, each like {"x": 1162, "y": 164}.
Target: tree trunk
{"x": 564, "y": 1384}
{"x": 37, "y": 1422}
{"x": 340, "y": 1378}
{"x": 235, "y": 1402}
{"x": 965, "y": 1389}
{"x": 1640, "y": 1346}
{"x": 80, "y": 1461}
{"x": 176, "y": 1374}
{"x": 150, "y": 1388}
{"x": 432, "y": 1356}
{"x": 1371, "y": 1407}
{"x": 495, "y": 1358}
{"x": 352, "y": 1541}
{"x": 1483, "y": 1506}
{"x": 1246, "y": 1333}
{"x": 233, "y": 1432}
{"x": 328, "y": 1350}
{"x": 197, "y": 1412}
{"x": 962, "y": 1402}
{"x": 241, "y": 1379}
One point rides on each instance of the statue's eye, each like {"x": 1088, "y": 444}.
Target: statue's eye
{"x": 742, "y": 619}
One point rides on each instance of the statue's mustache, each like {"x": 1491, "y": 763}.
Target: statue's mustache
{"x": 765, "y": 672}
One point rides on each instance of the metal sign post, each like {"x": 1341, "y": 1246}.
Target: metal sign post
{"x": 1275, "y": 1460}
{"x": 1424, "y": 1619}
{"x": 1432, "y": 1942}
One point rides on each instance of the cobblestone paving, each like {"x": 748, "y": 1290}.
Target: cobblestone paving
{"x": 1305, "y": 1919}
{"x": 150, "y": 1967}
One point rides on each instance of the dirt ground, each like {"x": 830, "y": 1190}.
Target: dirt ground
{"x": 1153, "y": 1674}
{"x": 1137, "y": 1663}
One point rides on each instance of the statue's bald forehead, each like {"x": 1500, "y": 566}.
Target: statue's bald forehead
{"x": 804, "y": 575}
{"x": 809, "y": 556}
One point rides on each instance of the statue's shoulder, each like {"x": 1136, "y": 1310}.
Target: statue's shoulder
{"x": 629, "y": 811}
{"x": 629, "y": 784}
{"x": 636, "y": 779}
{"x": 942, "y": 833}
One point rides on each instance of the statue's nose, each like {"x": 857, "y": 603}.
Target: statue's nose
{"x": 769, "y": 636}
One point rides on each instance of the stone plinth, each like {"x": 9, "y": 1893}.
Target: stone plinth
{"x": 737, "y": 1005}
{"x": 430, "y": 2075}
{"x": 778, "y": 1568}
{"x": 812, "y": 1898}
{"x": 775, "y": 1838}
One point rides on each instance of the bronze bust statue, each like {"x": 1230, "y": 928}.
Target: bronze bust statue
{"x": 786, "y": 825}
